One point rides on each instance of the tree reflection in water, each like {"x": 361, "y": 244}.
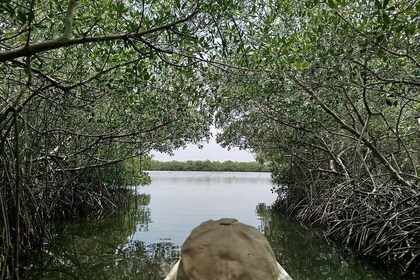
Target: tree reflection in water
{"x": 305, "y": 253}
{"x": 102, "y": 249}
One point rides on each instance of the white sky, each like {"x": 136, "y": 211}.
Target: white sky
{"x": 211, "y": 151}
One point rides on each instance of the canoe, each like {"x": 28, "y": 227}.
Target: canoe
{"x": 283, "y": 275}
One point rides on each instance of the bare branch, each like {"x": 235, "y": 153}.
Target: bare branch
{"x": 394, "y": 173}
{"x": 68, "y": 25}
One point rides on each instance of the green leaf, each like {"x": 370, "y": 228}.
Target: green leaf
{"x": 385, "y": 4}
{"x": 21, "y": 17}
{"x": 7, "y": 8}
{"x": 380, "y": 38}
{"x": 185, "y": 29}
{"x": 410, "y": 29}
{"x": 391, "y": 101}
{"x": 386, "y": 18}
{"x": 332, "y": 4}
{"x": 40, "y": 26}
{"x": 31, "y": 16}
{"x": 400, "y": 28}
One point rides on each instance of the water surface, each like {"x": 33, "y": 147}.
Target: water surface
{"x": 141, "y": 240}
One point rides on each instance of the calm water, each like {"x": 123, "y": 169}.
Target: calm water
{"x": 141, "y": 240}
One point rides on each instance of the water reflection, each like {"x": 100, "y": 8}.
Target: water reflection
{"x": 102, "y": 249}
{"x": 141, "y": 240}
{"x": 306, "y": 254}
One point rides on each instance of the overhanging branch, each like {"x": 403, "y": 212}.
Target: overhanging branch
{"x": 31, "y": 49}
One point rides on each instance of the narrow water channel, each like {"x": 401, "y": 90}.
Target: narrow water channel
{"x": 142, "y": 239}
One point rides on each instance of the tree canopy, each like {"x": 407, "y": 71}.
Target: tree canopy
{"x": 86, "y": 86}
{"x": 333, "y": 105}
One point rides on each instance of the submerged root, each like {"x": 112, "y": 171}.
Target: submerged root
{"x": 383, "y": 224}
{"x": 37, "y": 210}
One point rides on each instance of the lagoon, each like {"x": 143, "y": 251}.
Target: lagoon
{"x": 142, "y": 239}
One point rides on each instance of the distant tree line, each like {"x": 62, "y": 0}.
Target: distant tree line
{"x": 208, "y": 165}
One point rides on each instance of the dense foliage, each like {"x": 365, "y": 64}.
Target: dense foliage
{"x": 207, "y": 165}
{"x": 334, "y": 106}
{"x": 86, "y": 86}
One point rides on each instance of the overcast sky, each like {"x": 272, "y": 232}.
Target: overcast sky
{"x": 211, "y": 151}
